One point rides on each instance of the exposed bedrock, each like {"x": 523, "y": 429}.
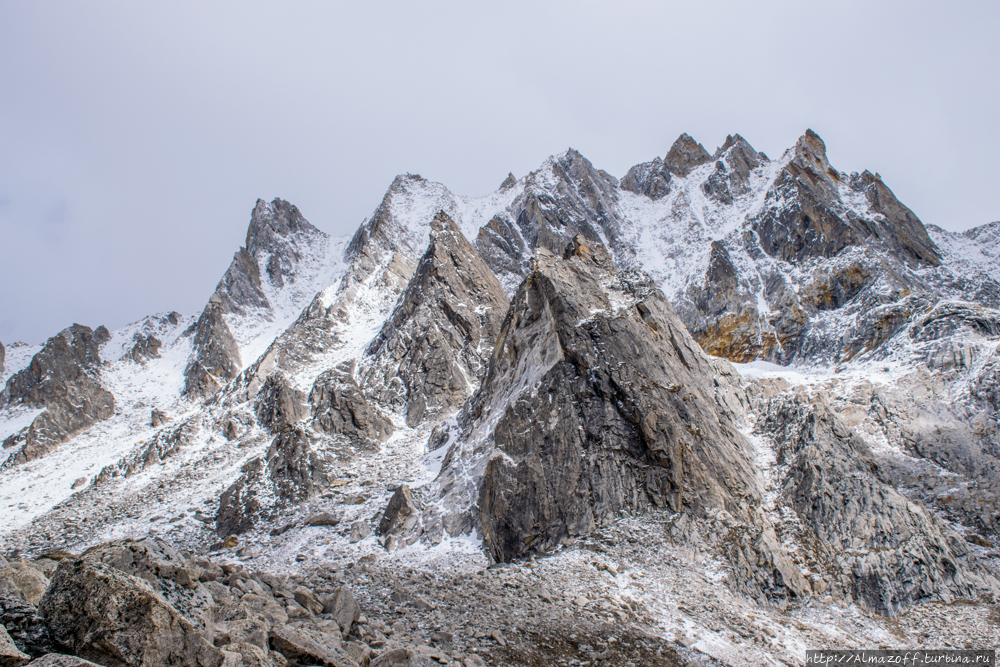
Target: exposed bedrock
{"x": 882, "y": 549}
{"x": 341, "y": 410}
{"x": 602, "y": 403}
{"x": 64, "y": 380}
{"x": 431, "y": 353}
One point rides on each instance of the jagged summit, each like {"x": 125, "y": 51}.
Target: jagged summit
{"x": 537, "y": 370}
{"x": 684, "y": 155}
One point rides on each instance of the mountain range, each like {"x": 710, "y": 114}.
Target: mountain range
{"x": 769, "y": 369}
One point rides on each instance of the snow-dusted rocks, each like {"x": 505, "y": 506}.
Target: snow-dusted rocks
{"x": 431, "y": 352}
{"x": 62, "y": 379}
{"x": 886, "y": 550}
{"x": 216, "y": 357}
{"x": 340, "y": 409}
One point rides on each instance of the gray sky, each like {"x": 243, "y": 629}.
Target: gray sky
{"x": 136, "y": 137}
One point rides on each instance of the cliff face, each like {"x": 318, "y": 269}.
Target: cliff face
{"x": 622, "y": 412}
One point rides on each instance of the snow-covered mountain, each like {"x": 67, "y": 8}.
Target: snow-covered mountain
{"x": 776, "y": 358}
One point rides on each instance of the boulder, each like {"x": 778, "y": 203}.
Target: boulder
{"x": 417, "y": 656}
{"x": 243, "y": 631}
{"x": 24, "y": 625}
{"x": 26, "y": 578}
{"x": 10, "y": 655}
{"x": 400, "y": 514}
{"x": 117, "y": 620}
{"x": 248, "y": 655}
{"x": 322, "y": 519}
{"x": 308, "y": 600}
{"x": 60, "y": 660}
{"x": 304, "y": 647}
{"x": 343, "y": 607}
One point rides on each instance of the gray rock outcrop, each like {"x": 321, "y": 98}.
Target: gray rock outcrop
{"x": 144, "y": 348}
{"x": 279, "y": 403}
{"x": 216, "y": 355}
{"x": 886, "y": 550}
{"x": 3, "y": 356}
{"x": 432, "y": 351}
{"x": 64, "y": 379}
{"x": 599, "y": 402}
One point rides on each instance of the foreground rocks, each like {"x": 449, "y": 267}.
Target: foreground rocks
{"x": 143, "y": 603}
{"x": 104, "y": 615}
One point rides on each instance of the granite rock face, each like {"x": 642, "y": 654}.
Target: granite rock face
{"x": 277, "y": 242}
{"x": 3, "y": 355}
{"x": 602, "y": 403}
{"x": 270, "y": 240}
{"x": 567, "y": 197}
{"x": 432, "y": 351}
{"x": 64, "y": 380}
{"x": 279, "y": 404}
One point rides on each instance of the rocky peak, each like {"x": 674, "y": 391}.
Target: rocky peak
{"x": 809, "y": 163}
{"x": 685, "y": 155}
{"x": 596, "y": 401}
{"x": 431, "y": 352}
{"x": 508, "y": 182}
{"x": 649, "y": 178}
{"x": 902, "y": 230}
{"x": 734, "y": 161}
{"x": 3, "y": 354}
{"x": 64, "y": 379}
{"x": 382, "y": 226}
{"x": 568, "y": 196}
{"x": 276, "y": 238}
{"x": 272, "y": 221}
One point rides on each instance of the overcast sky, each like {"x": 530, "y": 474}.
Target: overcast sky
{"x": 136, "y": 137}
